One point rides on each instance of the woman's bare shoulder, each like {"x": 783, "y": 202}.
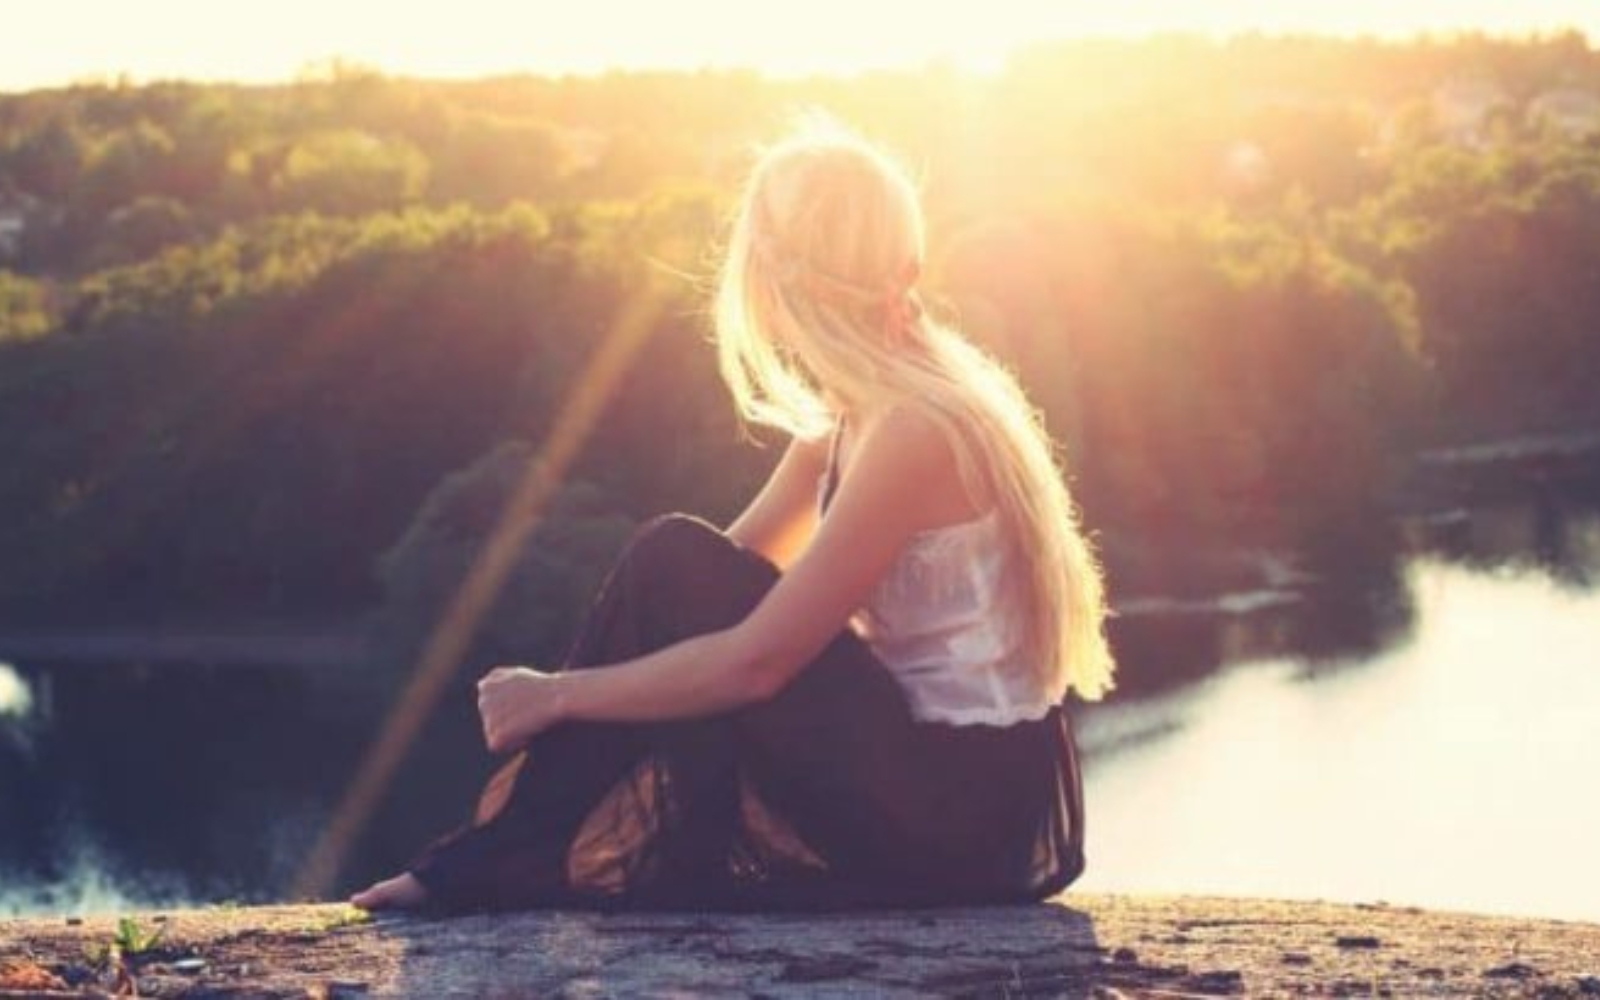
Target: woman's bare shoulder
{"x": 906, "y": 426}
{"x": 916, "y": 445}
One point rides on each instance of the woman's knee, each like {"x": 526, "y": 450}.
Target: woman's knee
{"x": 690, "y": 571}
{"x": 677, "y": 528}
{"x": 673, "y": 542}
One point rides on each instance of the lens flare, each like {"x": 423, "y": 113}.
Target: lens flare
{"x": 447, "y": 644}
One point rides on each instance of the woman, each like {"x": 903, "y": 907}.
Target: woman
{"x": 857, "y": 701}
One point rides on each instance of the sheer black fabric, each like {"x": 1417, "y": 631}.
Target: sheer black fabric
{"x": 829, "y": 795}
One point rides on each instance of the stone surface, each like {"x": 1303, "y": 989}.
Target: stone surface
{"x": 1100, "y": 946}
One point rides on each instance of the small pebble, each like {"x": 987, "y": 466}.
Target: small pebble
{"x": 1357, "y": 941}
{"x": 77, "y": 975}
{"x": 1216, "y": 981}
{"x": 1124, "y": 956}
{"x": 189, "y": 965}
{"x": 1514, "y": 970}
{"x": 74, "y": 921}
{"x": 1296, "y": 958}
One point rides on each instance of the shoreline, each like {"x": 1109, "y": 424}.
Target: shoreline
{"x": 1257, "y": 578}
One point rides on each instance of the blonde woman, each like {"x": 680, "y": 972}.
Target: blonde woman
{"x": 852, "y": 696}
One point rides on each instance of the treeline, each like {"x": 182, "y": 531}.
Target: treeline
{"x": 274, "y": 350}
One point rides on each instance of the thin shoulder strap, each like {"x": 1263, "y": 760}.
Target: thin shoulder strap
{"x": 833, "y": 461}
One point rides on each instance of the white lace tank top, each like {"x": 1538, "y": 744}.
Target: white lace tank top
{"x": 936, "y": 621}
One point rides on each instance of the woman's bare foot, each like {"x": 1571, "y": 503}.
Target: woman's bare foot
{"x": 400, "y": 892}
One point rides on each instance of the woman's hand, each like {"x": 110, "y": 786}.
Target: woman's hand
{"x": 516, "y": 704}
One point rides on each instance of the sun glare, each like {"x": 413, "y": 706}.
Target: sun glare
{"x": 189, "y": 38}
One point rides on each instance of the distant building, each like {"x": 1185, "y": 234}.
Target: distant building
{"x": 1572, "y": 110}
{"x": 15, "y": 208}
{"x": 1465, "y": 108}
{"x": 581, "y": 148}
{"x": 1245, "y": 165}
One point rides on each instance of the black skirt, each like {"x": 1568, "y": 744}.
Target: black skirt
{"x": 829, "y": 795}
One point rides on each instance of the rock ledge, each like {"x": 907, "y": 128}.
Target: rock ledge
{"x": 1076, "y": 946}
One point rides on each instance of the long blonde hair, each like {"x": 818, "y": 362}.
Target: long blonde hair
{"x": 810, "y": 318}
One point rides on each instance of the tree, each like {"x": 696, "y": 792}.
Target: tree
{"x": 562, "y": 563}
{"x": 141, "y": 229}
{"x": 23, "y": 310}
{"x": 48, "y": 161}
{"x": 349, "y": 172}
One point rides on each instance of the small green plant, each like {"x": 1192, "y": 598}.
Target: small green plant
{"x": 129, "y": 941}
{"x": 344, "y": 916}
{"x": 133, "y": 940}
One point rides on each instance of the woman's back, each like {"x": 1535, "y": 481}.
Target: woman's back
{"x": 940, "y": 620}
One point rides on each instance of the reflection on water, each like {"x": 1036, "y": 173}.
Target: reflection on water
{"x": 1547, "y": 536}
{"x": 1454, "y": 770}
{"x": 1420, "y": 723}
{"x": 16, "y": 698}
{"x": 130, "y": 784}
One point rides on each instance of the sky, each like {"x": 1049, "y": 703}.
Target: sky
{"x": 61, "y": 41}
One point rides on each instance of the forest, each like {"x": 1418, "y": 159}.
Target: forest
{"x": 281, "y": 352}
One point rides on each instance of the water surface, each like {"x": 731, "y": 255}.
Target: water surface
{"x": 1457, "y": 769}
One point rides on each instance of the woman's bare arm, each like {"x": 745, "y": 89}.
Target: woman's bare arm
{"x": 894, "y": 489}
{"x": 901, "y": 481}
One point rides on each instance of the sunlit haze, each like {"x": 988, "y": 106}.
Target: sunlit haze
{"x": 61, "y": 42}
